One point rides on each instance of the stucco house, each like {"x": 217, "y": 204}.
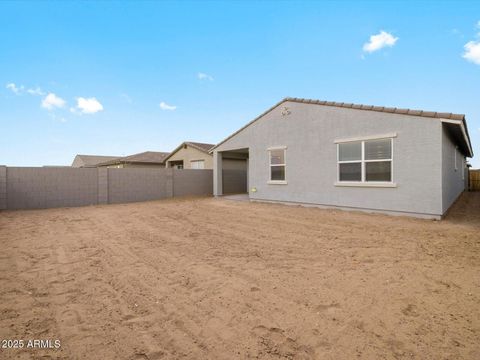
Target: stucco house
{"x": 147, "y": 159}
{"x": 349, "y": 156}
{"x": 190, "y": 155}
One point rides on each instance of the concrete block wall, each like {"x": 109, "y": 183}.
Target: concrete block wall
{"x": 102, "y": 186}
{"x": 137, "y": 184}
{"x": 192, "y": 182}
{"x": 36, "y": 188}
{"x": 3, "y": 187}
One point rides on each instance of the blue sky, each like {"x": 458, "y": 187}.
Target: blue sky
{"x": 116, "y": 78}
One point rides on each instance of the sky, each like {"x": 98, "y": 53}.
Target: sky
{"x": 117, "y": 78}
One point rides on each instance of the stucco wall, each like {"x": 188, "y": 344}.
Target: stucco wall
{"x": 453, "y": 180}
{"x": 35, "y": 188}
{"x": 309, "y": 132}
{"x": 190, "y": 154}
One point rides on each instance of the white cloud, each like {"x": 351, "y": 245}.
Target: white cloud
{"x": 472, "y": 52}
{"x": 36, "y": 92}
{"x": 165, "y": 106}
{"x": 52, "y": 101}
{"x": 472, "y": 48}
{"x": 18, "y": 90}
{"x": 379, "y": 41}
{"x": 203, "y": 76}
{"x": 88, "y": 105}
{"x": 14, "y": 88}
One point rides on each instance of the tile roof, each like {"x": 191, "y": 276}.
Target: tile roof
{"x": 431, "y": 114}
{"x": 92, "y": 160}
{"x": 152, "y": 157}
{"x": 146, "y": 157}
{"x": 200, "y": 146}
{"x": 422, "y": 113}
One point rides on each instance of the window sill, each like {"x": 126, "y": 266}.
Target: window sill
{"x": 277, "y": 182}
{"x": 367, "y": 184}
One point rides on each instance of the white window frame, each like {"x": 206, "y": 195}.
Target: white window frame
{"x": 197, "y": 161}
{"x": 277, "y": 182}
{"x": 363, "y": 182}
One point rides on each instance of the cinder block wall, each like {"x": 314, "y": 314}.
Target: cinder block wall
{"x": 192, "y": 182}
{"x": 39, "y": 188}
{"x": 3, "y": 187}
{"x": 136, "y": 184}
{"x": 36, "y": 188}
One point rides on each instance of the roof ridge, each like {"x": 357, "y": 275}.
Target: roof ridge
{"x": 413, "y": 112}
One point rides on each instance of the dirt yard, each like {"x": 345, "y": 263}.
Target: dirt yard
{"x": 222, "y": 279}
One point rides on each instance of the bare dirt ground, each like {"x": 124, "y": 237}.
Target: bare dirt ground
{"x": 220, "y": 279}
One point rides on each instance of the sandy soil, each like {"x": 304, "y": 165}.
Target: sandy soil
{"x": 220, "y": 279}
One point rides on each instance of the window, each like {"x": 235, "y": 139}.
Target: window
{"x": 277, "y": 165}
{"x": 197, "y": 164}
{"x": 366, "y": 161}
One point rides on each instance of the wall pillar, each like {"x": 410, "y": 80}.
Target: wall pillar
{"x": 217, "y": 174}
{"x": 102, "y": 185}
{"x": 169, "y": 183}
{"x": 3, "y": 187}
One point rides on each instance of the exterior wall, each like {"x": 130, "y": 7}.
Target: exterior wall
{"x": 3, "y": 187}
{"x": 189, "y": 154}
{"x": 453, "y": 180}
{"x": 35, "y": 188}
{"x": 309, "y": 132}
{"x": 192, "y": 182}
{"x": 136, "y": 184}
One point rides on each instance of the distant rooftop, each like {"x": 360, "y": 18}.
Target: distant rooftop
{"x": 151, "y": 157}
{"x": 90, "y": 160}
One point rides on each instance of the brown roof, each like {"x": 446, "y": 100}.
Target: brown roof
{"x": 152, "y": 157}
{"x": 422, "y": 113}
{"x": 90, "y": 160}
{"x": 147, "y": 157}
{"x": 199, "y": 146}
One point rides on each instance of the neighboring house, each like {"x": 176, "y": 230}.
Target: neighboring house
{"x": 190, "y": 155}
{"x": 349, "y": 156}
{"x": 147, "y": 159}
{"x": 81, "y": 161}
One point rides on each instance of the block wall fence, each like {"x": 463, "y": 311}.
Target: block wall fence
{"x": 41, "y": 188}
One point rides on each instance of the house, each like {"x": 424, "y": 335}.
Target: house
{"x": 81, "y": 161}
{"x": 190, "y": 155}
{"x": 147, "y": 159}
{"x": 348, "y": 156}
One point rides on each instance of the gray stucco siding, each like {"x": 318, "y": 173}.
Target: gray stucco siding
{"x": 453, "y": 179}
{"x": 309, "y": 133}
